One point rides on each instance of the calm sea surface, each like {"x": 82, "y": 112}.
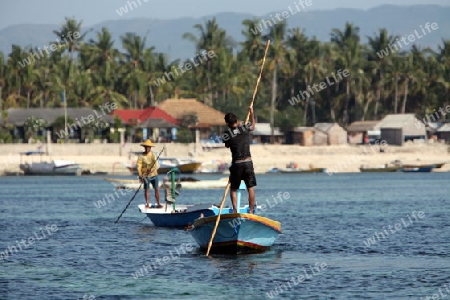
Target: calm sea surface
{"x": 76, "y": 251}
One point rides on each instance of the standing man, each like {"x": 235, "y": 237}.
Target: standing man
{"x": 147, "y": 167}
{"x": 237, "y": 138}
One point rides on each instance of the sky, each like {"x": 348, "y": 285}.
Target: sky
{"x": 91, "y": 12}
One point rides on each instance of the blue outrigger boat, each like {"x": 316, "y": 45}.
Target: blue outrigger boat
{"x": 172, "y": 215}
{"x": 236, "y": 232}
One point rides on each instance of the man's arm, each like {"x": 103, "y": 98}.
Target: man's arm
{"x": 252, "y": 119}
{"x": 139, "y": 166}
{"x": 155, "y": 164}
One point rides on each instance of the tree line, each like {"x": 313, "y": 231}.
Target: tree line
{"x": 93, "y": 72}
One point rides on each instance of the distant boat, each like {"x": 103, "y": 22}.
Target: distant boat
{"x": 185, "y": 165}
{"x": 273, "y": 171}
{"x": 213, "y": 167}
{"x": 293, "y": 168}
{"x": 409, "y": 166}
{"x": 412, "y": 166}
{"x": 54, "y": 167}
{"x": 423, "y": 169}
{"x": 380, "y": 169}
{"x": 185, "y": 183}
{"x": 300, "y": 170}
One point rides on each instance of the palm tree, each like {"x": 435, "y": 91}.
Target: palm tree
{"x": 212, "y": 39}
{"x": 378, "y": 43}
{"x": 3, "y": 76}
{"x": 134, "y": 61}
{"x": 277, "y": 53}
{"x": 16, "y": 70}
{"x": 70, "y": 34}
{"x": 252, "y": 46}
{"x": 348, "y": 46}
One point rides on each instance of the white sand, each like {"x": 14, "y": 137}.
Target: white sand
{"x": 341, "y": 158}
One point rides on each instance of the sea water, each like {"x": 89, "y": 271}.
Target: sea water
{"x": 345, "y": 236}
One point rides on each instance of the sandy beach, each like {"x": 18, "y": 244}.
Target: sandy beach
{"x": 346, "y": 158}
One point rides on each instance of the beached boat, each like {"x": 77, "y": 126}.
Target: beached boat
{"x": 236, "y": 232}
{"x": 380, "y": 169}
{"x": 185, "y": 183}
{"x": 54, "y": 167}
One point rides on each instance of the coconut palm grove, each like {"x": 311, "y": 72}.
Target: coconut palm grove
{"x": 89, "y": 73}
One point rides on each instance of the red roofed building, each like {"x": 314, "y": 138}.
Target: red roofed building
{"x": 153, "y": 122}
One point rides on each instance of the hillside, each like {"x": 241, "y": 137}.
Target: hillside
{"x": 166, "y": 35}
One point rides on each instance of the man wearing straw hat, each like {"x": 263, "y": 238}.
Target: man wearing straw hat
{"x": 147, "y": 167}
{"x": 237, "y": 138}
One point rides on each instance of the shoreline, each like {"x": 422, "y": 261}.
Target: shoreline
{"x": 345, "y": 158}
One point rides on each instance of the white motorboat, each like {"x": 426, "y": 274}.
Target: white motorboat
{"x": 54, "y": 167}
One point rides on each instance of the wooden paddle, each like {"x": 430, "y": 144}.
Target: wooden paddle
{"x": 227, "y": 188}
{"x": 138, "y": 188}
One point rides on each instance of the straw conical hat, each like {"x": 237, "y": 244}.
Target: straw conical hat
{"x": 148, "y": 143}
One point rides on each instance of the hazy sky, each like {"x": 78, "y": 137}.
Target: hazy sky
{"x": 95, "y": 11}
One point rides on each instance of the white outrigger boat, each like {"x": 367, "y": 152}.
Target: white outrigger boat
{"x": 133, "y": 184}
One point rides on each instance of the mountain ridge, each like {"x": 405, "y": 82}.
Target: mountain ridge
{"x": 166, "y": 35}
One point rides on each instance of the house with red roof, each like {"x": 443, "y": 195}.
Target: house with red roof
{"x": 151, "y": 122}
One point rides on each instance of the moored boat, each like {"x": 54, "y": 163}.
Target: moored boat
{"x": 294, "y": 168}
{"x": 300, "y": 170}
{"x": 380, "y": 169}
{"x": 423, "y": 169}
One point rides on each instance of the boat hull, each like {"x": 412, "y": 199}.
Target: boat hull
{"x": 293, "y": 170}
{"x": 418, "y": 169}
{"x": 185, "y": 215}
{"x": 236, "y": 233}
{"x": 47, "y": 169}
{"x": 388, "y": 169}
{"x": 134, "y": 184}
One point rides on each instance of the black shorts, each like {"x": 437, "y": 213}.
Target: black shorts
{"x": 242, "y": 171}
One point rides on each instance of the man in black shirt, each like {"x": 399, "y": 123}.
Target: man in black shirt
{"x": 237, "y": 138}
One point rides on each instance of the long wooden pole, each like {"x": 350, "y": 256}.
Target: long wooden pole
{"x": 227, "y": 188}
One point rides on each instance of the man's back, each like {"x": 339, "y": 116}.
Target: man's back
{"x": 239, "y": 142}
